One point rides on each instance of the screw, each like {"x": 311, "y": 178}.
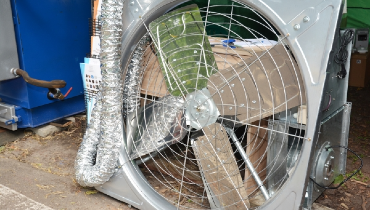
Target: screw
{"x": 136, "y": 10}
{"x": 296, "y": 27}
{"x": 309, "y": 139}
{"x": 223, "y": 161}
{"x": 241, "y": 105}
{"x": 243, "y": 79}
{"x": 230, "y": 108}
{"x": 218, "y": 149}
{"x": 132, "y": 3}
{"x": 232, "y": 85}
{"x": 254, "y": 101}
{"x": 222, "y": 91}
{"x": 209, "y": 166}
{"x": 306, "y": 19}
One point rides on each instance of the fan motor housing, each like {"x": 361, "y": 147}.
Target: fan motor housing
{"x": 325, "y": 166}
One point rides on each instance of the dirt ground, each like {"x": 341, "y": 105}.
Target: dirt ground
{"x": 355, "y": 193}
{"x": 42, "y": 168}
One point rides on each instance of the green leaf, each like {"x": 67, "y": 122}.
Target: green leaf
{"x": 338, "y": 179}
{"x": 90, "y": 192}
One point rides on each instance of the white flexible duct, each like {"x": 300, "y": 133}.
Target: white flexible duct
{"x": 99, "y": 151}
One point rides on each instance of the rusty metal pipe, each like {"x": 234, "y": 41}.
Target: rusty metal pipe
{"x": 39, "y": 83}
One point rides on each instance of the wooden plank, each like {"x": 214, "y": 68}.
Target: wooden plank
{"x": 271, "y": 85}
{"x": 216, "y": 158}
{"x": 153, "y": 82}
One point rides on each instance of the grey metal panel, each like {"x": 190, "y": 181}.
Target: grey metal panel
{"x": 8, "y": 45}
{"x": 335, "y": 91}
{"x": 283, "y": 152}
{"x": 333, "y": 131}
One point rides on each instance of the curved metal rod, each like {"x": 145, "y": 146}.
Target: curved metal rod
{"x": 39, "y": 83}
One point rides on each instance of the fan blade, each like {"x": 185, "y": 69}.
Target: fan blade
{"x": 239, "y": 95}
{"x": 219, "y": 169}
{"x": 160, "y": 124}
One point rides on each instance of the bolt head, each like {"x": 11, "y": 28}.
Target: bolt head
{"x": 306, "y": 19}
{"x": 297, "y": 27}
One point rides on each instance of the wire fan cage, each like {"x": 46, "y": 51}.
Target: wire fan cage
{"x": 214, "y": 106}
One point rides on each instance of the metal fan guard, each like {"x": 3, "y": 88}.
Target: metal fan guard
{"x": 311, "y": 64}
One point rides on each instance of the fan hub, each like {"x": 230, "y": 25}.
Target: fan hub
{"x": 201, "y": 110}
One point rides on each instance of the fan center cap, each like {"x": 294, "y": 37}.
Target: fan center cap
{"x": 201, "y": 110}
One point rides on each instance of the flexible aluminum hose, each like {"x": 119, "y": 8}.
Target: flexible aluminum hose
{"x": 99, "y": 151}
{"x": 131, "y": 91}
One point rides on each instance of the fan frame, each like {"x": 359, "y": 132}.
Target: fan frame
{"x": 311, "y": 50}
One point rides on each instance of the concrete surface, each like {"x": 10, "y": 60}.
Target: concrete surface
{"x": 10, "y": 199}
{"x": 7, "y": 136}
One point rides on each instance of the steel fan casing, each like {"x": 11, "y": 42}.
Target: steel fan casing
{"x": 309, "y": 28}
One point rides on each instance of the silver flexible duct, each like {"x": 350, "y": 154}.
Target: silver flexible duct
{"x": 131, "y": 101}
{"x": 99, "y": 151}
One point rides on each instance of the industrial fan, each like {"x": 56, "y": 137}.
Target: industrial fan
{"x": 216, "y": 104}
